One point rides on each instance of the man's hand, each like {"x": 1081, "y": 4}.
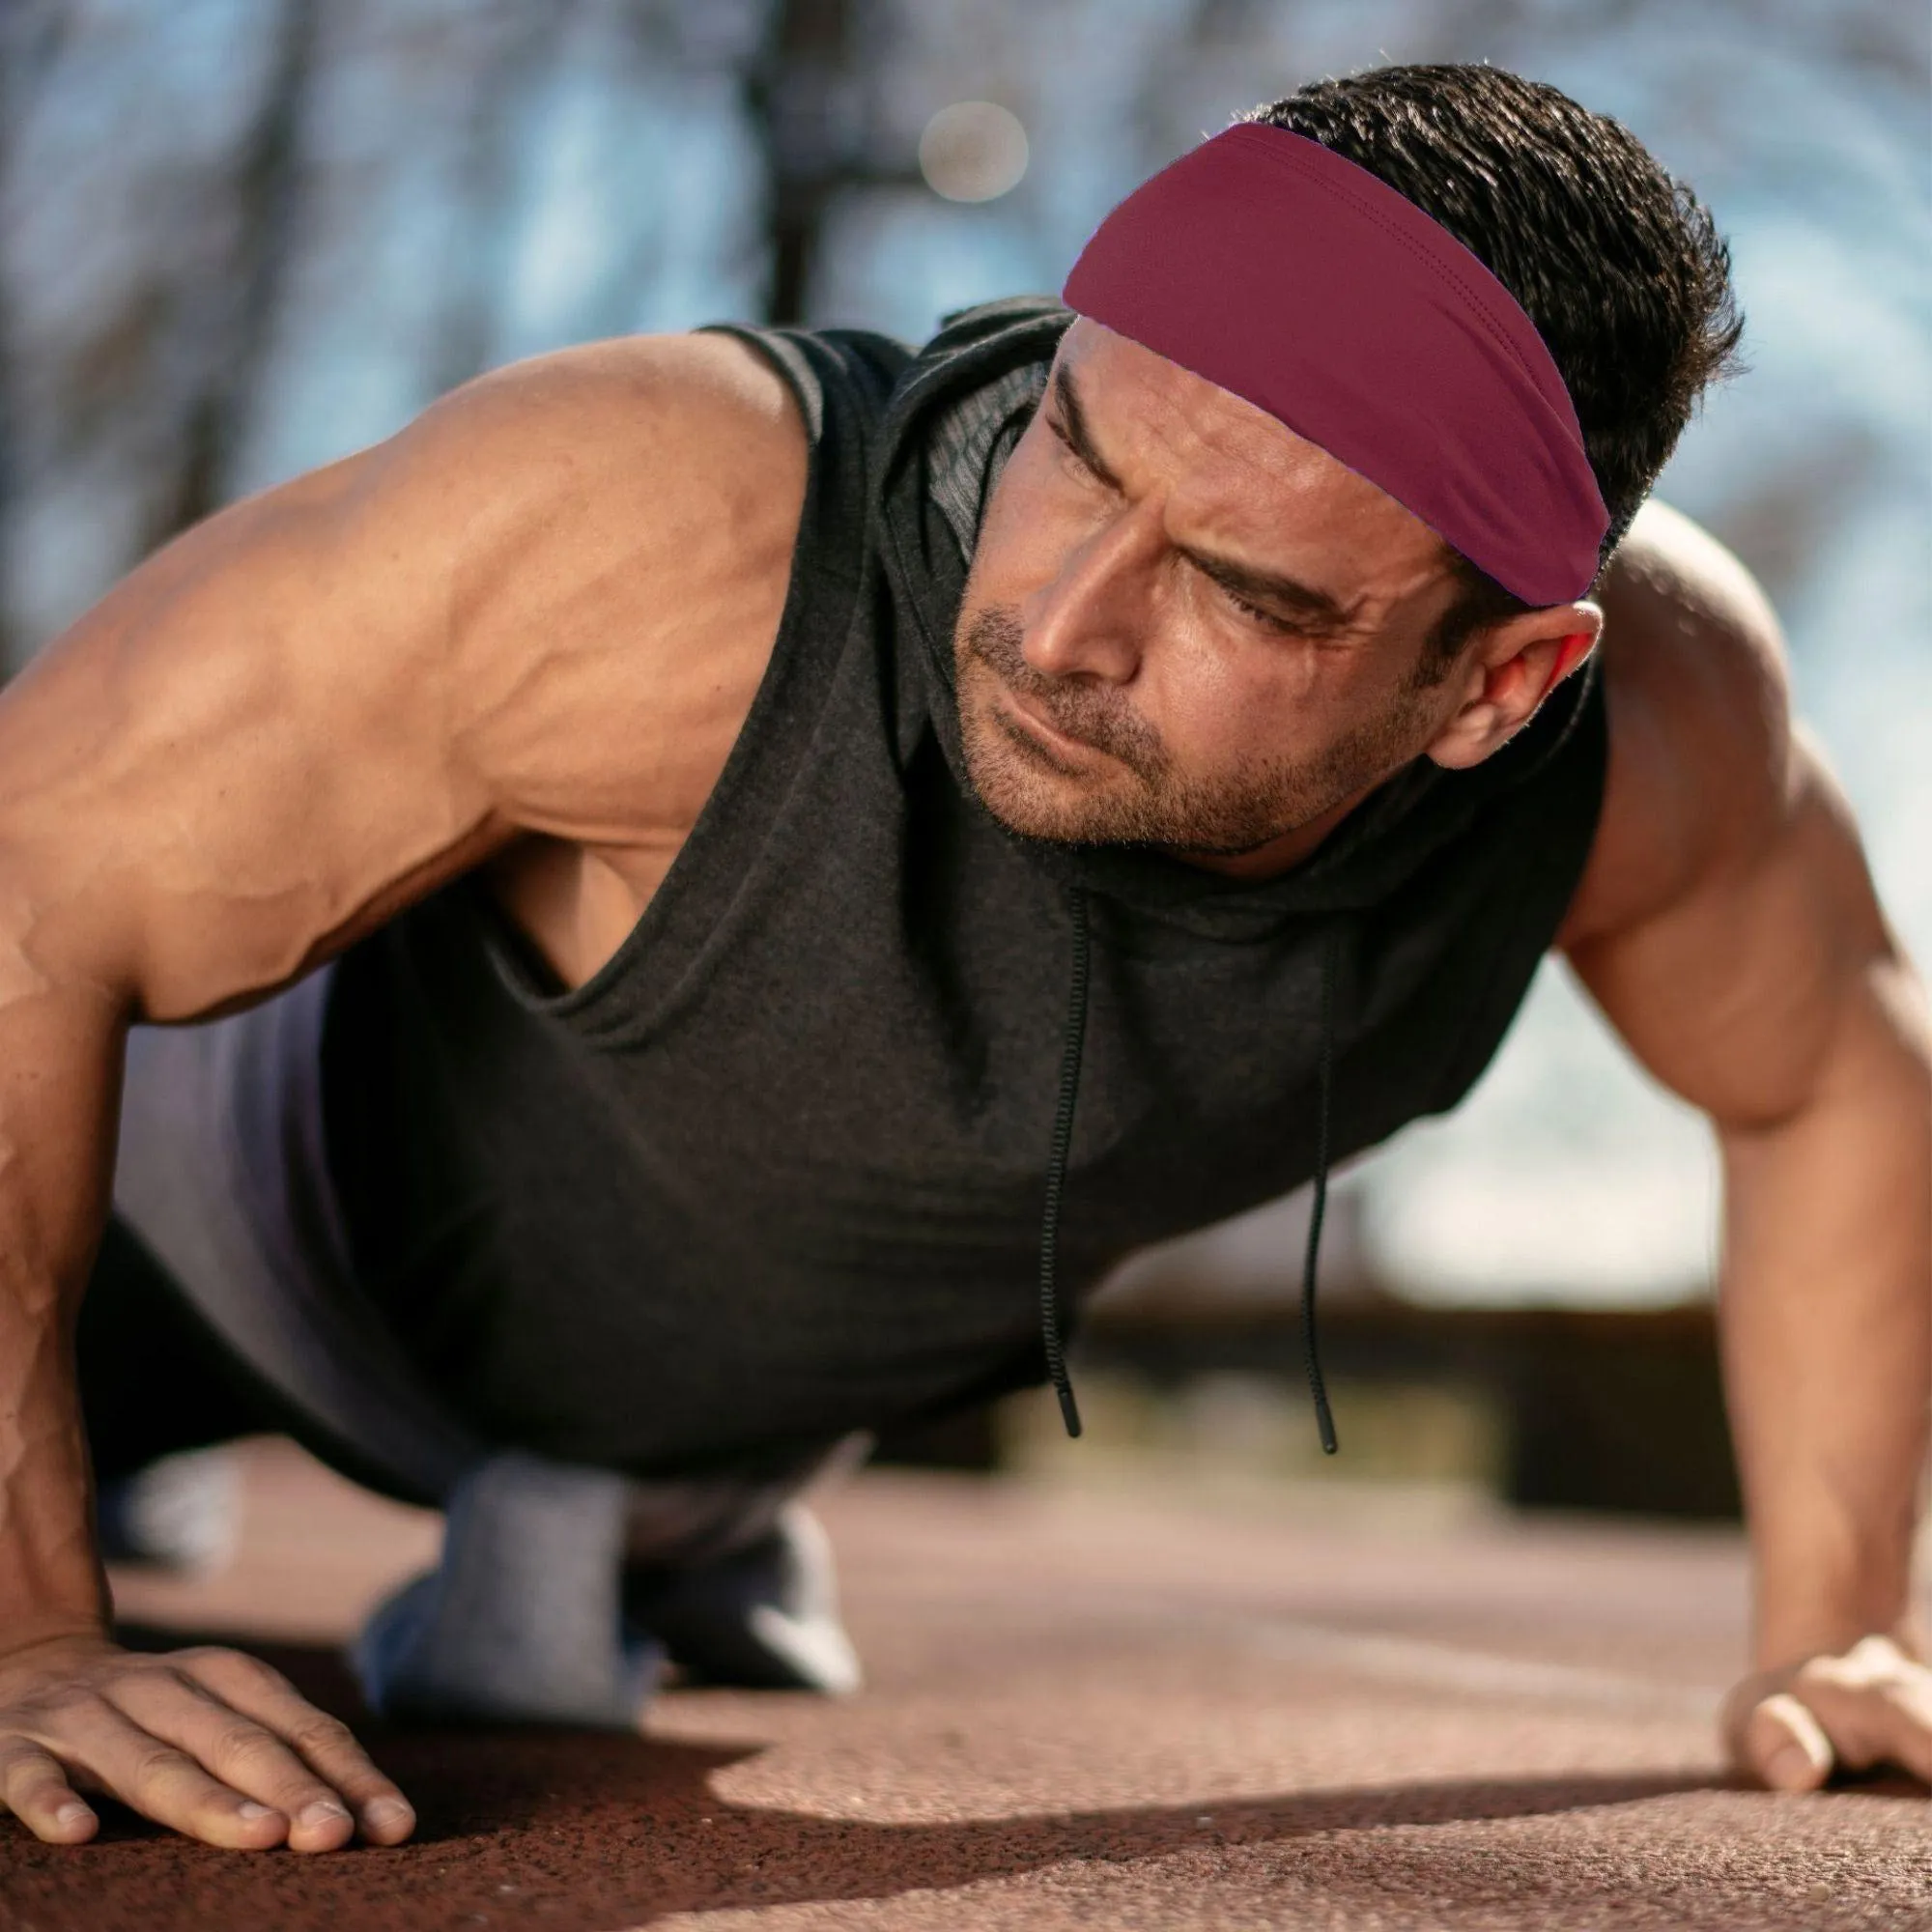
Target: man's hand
{"x": 1791, "y": 1728}
{"x": 215, "y": 1743}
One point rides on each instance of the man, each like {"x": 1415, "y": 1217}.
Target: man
{"x": 746, "y": 922}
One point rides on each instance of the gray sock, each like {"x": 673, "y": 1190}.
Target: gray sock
{"x": 536, "y": 1615}
{"x": 519, "y": 1621}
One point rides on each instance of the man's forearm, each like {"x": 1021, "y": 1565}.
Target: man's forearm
{"x": 60, "y": 1060}
{"x": 50, "y": 1581}
{"x": 1826, "y": 1318}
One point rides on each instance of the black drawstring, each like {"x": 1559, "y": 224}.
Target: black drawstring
{"x": 1324, "y": 1420}
{"x": 1055, "y": 1168}
{"x": 1056, "y": 1181}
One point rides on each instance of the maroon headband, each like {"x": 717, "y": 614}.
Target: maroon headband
{"x": 1305, "y": 284}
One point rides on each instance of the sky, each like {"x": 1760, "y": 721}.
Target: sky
{"x": 619, "y": 189}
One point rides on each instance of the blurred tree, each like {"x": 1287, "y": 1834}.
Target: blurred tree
{"x": 30, "y": 33}
{"x": 262, "y": 237}
{"x": 510, "y": 46}
{"x": 802, "y": 98}
{"x": 813, "y": 102}
{"x": 148, "y": 215}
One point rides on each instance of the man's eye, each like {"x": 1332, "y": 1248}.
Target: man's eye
{"x": 1261, "y": 616}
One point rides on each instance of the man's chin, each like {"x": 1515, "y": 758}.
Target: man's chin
{"x": 1023, "y": 801}
{"x": 1022, "y": 811}
{"x": 1088, "y": 823}
{"x": 1027, "y": 809}
{"x": 1033, "y": 797}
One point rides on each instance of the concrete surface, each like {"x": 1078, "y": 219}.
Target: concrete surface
{"x": 1114, "y": 1708}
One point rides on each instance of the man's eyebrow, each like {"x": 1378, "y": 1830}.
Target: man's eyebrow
{"x": 1075, "y": 430}
{"x": 1301, "y": 601}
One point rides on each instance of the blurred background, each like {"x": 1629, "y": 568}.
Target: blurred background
{"x": 240, "y": 238}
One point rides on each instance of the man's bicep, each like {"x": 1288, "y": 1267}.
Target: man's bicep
{"x": 1734, "y": 993}
{"x": 231, "y": 763}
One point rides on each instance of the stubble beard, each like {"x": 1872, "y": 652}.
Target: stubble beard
{"x": 1143, "y": 800}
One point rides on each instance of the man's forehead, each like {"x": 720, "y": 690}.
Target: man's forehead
{"x": 1241, "y": 472}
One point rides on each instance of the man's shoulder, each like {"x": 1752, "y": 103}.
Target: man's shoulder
{"x": 636, "y": 434}
{"x": 620, "y": 517}
{"x": 1697, "y": 687}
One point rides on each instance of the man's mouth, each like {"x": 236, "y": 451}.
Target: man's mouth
{"x": 1020, "y": 720}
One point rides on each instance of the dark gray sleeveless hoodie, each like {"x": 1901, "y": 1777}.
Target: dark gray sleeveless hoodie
{"x": 778, "y": 1171}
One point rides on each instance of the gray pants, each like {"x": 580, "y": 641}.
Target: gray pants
{"x": 561, "y": 1588}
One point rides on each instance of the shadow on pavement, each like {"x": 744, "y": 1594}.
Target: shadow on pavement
{"x": 585, "y": 1832}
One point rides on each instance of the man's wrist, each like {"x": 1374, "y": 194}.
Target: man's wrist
{"x": 1789, "y": 1633}
{"x": 21, "y": 1639}
{"x": 54, "y": 1591}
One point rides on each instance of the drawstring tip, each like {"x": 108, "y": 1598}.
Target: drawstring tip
{"x": 1318, "y": 1208}
{"x": 1068, "y": 1413}
{"x": 1051, "y": 1340}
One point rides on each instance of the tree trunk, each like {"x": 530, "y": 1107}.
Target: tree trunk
{"x": 269, "y": 194}
{"x": 799, "y": 92}
{"x": 30, "y": 35}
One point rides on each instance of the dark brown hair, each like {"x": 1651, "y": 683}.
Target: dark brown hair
{"x": 1614, "y": 260}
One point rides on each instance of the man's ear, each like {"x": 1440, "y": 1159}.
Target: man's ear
{"x": 1509, "y": 674}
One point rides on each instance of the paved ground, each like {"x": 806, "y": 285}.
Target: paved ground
{"x": 1105, "y": 1709}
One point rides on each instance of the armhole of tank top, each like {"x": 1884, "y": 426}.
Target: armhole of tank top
{"x": 1505, "y": 981}
{"x": 509, "y": 953}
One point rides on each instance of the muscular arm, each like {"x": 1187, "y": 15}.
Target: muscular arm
{"x": 1729, "y": 928}
{"x": 526, "y": 628}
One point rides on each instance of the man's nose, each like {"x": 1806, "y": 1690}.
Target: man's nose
{"x": 1091, "y": 618}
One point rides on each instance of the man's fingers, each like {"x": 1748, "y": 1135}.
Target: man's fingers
{"x": 1903, "y": 1735}
{"x": 208, "y": 1743}
{"x": 158, "y": 1780}
{"x": 34, "y": 1787}
{"x": 244, "y": 1754}
{"x": 1872, "y": 1715}
{"x": 327, "y": 1745}
{"x": 1869, "y": 1705}
{"x": 1784, "y": 1744}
